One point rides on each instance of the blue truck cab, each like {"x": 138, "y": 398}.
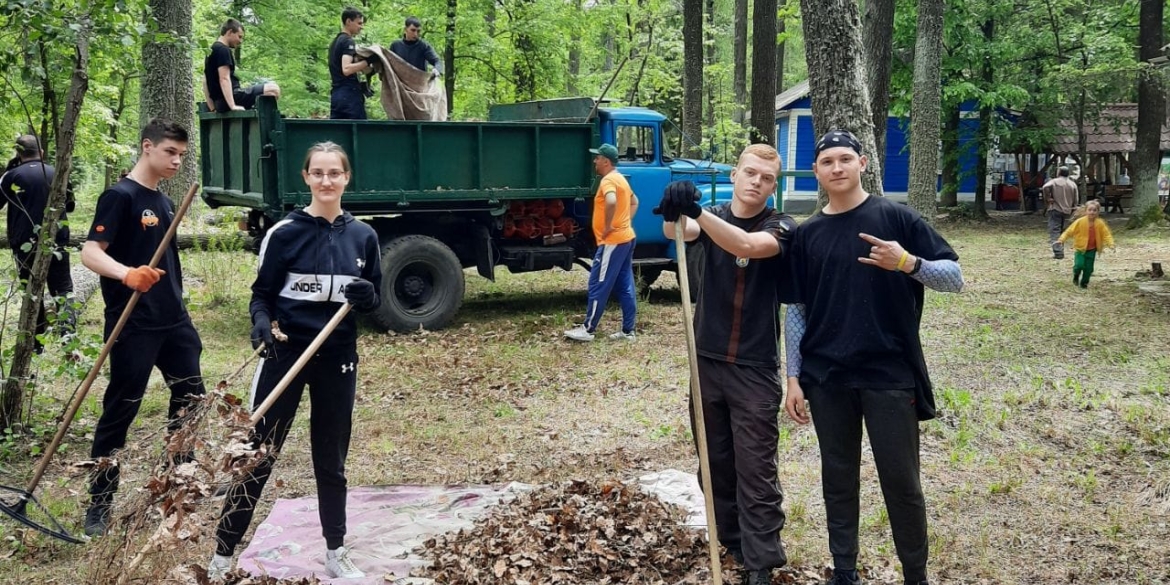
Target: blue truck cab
{"x": 648, "y": 145}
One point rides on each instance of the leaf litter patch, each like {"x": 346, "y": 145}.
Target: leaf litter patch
{"x": 575, "y": 532}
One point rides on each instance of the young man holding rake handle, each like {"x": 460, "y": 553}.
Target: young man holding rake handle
{"x": 130, "y": 221}
{"x": 737, "y": 329}
{"x": 855, "y": 289}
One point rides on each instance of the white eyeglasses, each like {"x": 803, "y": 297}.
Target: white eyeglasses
{"x": 320, "y": 175}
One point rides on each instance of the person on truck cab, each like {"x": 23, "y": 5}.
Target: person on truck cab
{"x": 416, "y": 51}
{"x": 311, "y": 262}
{"x": 347, "y": 100}
{"x": 737, "y": 330}
{"x": 221, "y": 87}
{"x": 613, "y": 264}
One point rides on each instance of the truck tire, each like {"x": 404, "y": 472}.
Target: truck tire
{"x": 645, "y": 277}
{"x": 422, "y": 284}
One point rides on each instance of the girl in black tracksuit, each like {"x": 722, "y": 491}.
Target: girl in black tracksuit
{"x": 310, "y": 262}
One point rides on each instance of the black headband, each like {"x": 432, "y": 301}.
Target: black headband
{"x": 835, "y": 138}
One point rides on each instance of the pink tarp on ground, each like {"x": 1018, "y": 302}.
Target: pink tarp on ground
{"x": 384, "y": 522}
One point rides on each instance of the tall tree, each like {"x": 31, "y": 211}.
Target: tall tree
{"x": 12, "y": 396}
{"x": 449, "y": 55}
{"x": 168, "y": 86}
{"x": 984, "y": 133}
{"x": 781, "y": 29}
{"x": 925, "y": 109}
{"x": 709, "y": 63}
{"x": 574, "y": 53}
{"x": 1147, "y": 156}
{"x": 836, "y": 77}
{"x": 763, "y": 128}
{"x": 878, "y": 37}
{"x": 950, "y": 158}
{"x": 739, "y": 58}
{"x": 693, "y": 75}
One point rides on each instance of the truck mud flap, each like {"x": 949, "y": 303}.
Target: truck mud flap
{"x": 485, "y": 255}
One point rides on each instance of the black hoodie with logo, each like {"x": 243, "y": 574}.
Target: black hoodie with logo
{"x": 305, "y": 264}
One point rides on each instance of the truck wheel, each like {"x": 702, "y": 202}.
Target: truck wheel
{"x": 645, "y": 277}
{"x": 422, "y": 284}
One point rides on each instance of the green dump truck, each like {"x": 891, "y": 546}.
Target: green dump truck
{"x": 515, "y": 191}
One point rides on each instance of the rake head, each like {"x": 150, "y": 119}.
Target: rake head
{"x": 22, "y": 506}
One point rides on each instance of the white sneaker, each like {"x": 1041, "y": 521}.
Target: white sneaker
{"x": 579, "y": 333}
{"x": 338, "y": 565}
{"x": 622, "y": 335}
{"x": 218, "y": 568}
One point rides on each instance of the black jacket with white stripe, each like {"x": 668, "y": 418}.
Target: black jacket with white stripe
{"x": 305, "y": 264}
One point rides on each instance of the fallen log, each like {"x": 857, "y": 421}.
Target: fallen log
{"x": 230, "y": 241}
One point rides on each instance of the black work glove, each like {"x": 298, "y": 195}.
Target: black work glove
{"x": 262, "y": 333}
{"x": 361, "y": 294}
{"x": 680, "y": 198}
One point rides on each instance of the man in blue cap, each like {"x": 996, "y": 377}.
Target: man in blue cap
{"x": 613, "y": 263}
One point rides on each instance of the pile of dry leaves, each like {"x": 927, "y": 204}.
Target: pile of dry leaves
{"x": 577, "y": 532}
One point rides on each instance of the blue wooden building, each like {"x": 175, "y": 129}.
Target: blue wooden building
{"x": 795, "y": 141}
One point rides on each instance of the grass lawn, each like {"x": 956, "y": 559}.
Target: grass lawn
{"x": 1050, "y": 462}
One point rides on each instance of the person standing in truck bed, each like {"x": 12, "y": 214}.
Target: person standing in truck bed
{"x": 347, "y": 101}
{"x": 416, "y": 51}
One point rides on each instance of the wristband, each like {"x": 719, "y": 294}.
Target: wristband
{"x": 902, "y": 262}
{"x": 917, "y": 266}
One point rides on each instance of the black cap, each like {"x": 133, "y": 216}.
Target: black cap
{"x": 28, "y": 145}
{"x": 835, "y": 138}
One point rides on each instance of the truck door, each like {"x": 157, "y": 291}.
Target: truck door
{"x": 639, "y": 159}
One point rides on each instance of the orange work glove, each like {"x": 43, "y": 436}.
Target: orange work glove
{"x": 142, "y": 278}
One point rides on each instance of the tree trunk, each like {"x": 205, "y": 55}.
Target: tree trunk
{"x": 693, "y": 76}
{"x": 168, "y": 86}
{"x": 763, "y": 127}
{"x": 709, "y": 36}
{"x": 574, "y": 52}
{"x": 740, "y": 59}
{"x": 449, "y": 56}
{"x": 878, "y": 35}
{"x": 925, "y": 109}
{"x": 837, "y": 84}
{"x": 984, "y": 134}
{"x": 950, "y": 163}
{"x": 781, "y": 28}
{"x": 1147, "y": 156}
{"x": 13, "y": 393}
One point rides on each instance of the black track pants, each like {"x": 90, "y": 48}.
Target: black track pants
{"x": 740, "y": 408}
{"x": 175, "y": 351}
{"x": 332, "y": 381}
{"x": 892, "y": 424}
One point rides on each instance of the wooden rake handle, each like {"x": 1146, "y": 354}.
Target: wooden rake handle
{"x": 680, "y": 247}
{"x": 300, "y": 363}
{"x": 83, "y": 390}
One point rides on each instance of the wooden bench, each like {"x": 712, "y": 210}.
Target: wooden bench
{"x": 1116, "y": 196}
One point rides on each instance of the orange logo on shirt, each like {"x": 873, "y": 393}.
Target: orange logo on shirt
{"x": 99, "y": 229}
{"x": 149, "y": 219}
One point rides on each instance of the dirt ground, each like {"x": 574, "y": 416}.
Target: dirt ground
{"x": 1050, "y": 462}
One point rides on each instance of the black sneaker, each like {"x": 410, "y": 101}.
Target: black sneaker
{"x": 922, "y": 582}
{"x": 759, "y": 577}
{"x": 844, "y": 578}
{"x": 97, "y": 519}
{"x": 737, "y": 555}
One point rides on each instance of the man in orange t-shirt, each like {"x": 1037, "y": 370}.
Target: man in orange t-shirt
{"x": 613, "y": 269}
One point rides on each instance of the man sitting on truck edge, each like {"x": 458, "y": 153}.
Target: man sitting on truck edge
{"x": 221, "y": 87}
{"x": 416, "y": 51}
{"x": 737, "y": 330}
{"x": 347, "y": 101}
{"x": 613, "y": 268}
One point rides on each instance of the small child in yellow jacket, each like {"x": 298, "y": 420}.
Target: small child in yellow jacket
{"x": 1089, "y": 233}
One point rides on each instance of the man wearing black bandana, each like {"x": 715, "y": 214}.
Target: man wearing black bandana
{"x": 737, "y": 328}
{"x": 855, "y": 287}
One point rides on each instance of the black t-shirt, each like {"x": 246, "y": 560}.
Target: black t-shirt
{"x": 220, "y": 55}
{"x": 133, "y": 220}
{"x": 25, "y": 190}
{"x": 342, "y": 44}
{"x": 862, "y": 320}
{"x": 737, "y": 319}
